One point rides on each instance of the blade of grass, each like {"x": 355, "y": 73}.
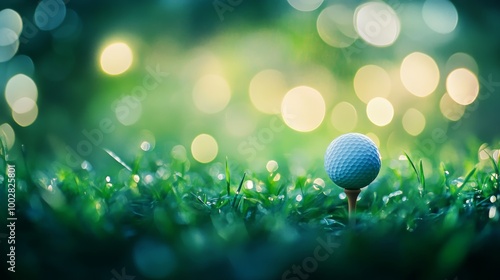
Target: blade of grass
{"x": 445, "y": 172}
{"x": 239, "y": 189}
{"x": 422, "y": 176}
{"x": 3, "y": 147}
{"x": 413, "y": 166}
{"x": 3, "y": 151}
{"x": 228, "y": 178}
{"x": 117, "y": 159}
{"x": 467, "y": 178}
{"x": 495, "y": 167}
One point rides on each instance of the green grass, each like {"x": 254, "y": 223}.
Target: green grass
{"x": 222, "y": 220}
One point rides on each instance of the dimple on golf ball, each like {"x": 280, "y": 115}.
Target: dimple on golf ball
{"x": 352, "y": 161}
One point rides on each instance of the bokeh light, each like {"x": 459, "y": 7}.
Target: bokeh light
{"x": 266, "y": 90}
{"x": 451, "y": 109}
{"x": 9, "y": 44}
{"x": 440, "y": 15}
{"x": 21, "y": 64}
{"x": 371, "y": 81}
{"x": 419, "y": 74}
{"x": 303, "y": 109}
{"x": 272, "y": 166}
{"x": 11, "y": 26}
{"x": 344, "y": 117}
{"x": 204, "y": 148}
{"x": 305, "y": 5}
{"x": 23, "y": 105}
{"x": 377, "y": 24}
{"x": 211, "y": 94}
{"x": 11, "y": 20}
{"x": 461, "y": 60}
{"x": 8, "y": 135}
{"x": 49, "y": 14}
{"x": 413, "y": 122}
{"x": 20, "y": 86}
{"x": 335, "y": 26}
{"x": 380, "y": 111}
{"x": 116, "y": 58}
{"x": 26, "y": 118}
{"x": 462, "y": 86}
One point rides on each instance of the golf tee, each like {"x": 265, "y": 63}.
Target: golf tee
{"x": 352, "y": 196}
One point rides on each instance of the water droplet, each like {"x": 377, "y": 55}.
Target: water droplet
{"x": 298, "y": 198}
{"x": 148, "y": 179}
{"x": 342, "y": 196}
{"x": 493, "y": 212}
{"x": 318, "y": 183}
{"x": 272, "y": 166}
{"x": 136, "y": 178}
{"x": 145, "y": 146}
{"x": 493, "y": 199}
{"x": 277, "y": 177}
{"x": 396, "y": 193}
{"x": 249, "y": 184}
{"x": 86, "y": 165}
{"x": 385, "y": 199}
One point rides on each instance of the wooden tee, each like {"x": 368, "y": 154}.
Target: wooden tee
{"x": 352, "y": 196}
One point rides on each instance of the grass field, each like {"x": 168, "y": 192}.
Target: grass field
{"x": 164, "y": 217}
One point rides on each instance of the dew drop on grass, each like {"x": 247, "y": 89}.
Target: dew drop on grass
{"x": 385, "y": 199}
{"x": 108, "y": 179}
{"x": 145, "y": 146}
{"x": 277, "y": 177}
{"x": 249, "y": 184}
{"x": 148, "y": 179}
{"x": 298, "y": 198}
{"x": 493, "y": 212}
{"x": 221, "y": 176}
{"x": 342, "y": 196}
{"x": 136, "y": 178}
{"x": 86, "y": 165}
{"x": 396, "y": 193}
{"x": 318, "y": 184}
{"x": 272, "y": 166}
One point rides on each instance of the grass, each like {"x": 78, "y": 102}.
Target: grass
{"x": 168, "y": 217}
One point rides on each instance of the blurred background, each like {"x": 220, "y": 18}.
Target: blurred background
{"x": 251, "y": 80}
{"x": 94, "y": 85}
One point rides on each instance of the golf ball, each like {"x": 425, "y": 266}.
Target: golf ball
{"x": 352, "y": 161}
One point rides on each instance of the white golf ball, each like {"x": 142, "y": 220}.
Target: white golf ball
{"x": 352, "y": 161}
